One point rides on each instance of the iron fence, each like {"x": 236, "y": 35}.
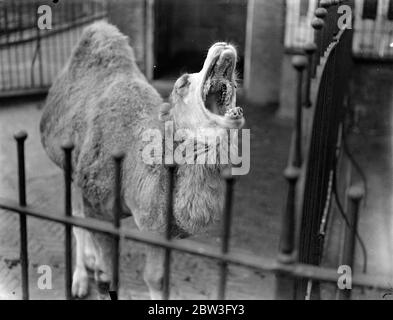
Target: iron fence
{"x": 30, "y": 57}
{"x": 323, "y": 137}
{"x": 323, "y": 76}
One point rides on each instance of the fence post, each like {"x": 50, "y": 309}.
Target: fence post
{"x": 355, "y": 194}
{"x": 317, "y": 25}
{"x": 20, "y": 138}
{"x": 285, "y": 284}
{"x": 299, "y": 63}
{"x": 67, "y": 149}
{"x": 226, "y": 230}
{"x": 169, "y": 220}
{"x": 330, "y": 19}
{"x": 118, "y": 159}
{"x": 321, "y": 14}
{"x": 310, "y": 50}
{"x": 38, "y": 54}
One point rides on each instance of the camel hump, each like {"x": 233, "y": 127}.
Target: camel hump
{"x": 102, "y": 46}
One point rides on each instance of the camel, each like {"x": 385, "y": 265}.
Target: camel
{"x": 103, "y": 103}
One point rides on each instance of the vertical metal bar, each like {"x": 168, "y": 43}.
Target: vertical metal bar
{"x": 326, "y": 4}
{"x": 7, "y": 37}
{"x": 310, "y": 49}
{"x": 355, "y": 195}
{"x": 287, "y": 244}
{"x": 22, "y": 46}
{"x": 35, "y": 53}
{"x": 2, "y": 64}
{"x": 335, "y": 27}
{"x": 20, "y": 138}
{"x": 28, "y": 50}
{"x": 47, "y": 57}
{"x": 63, "y": 35}
{"x": 169, "y": 219}
{"x": 118, "y": 158}
{"x": 285, "y": 285}
{"x": 317, "y": 24}
{"x": 39, "y": 56}
{"x": 226, "y": 230}
{"x": 321, "y": 13}
{"x": 67, "y": 148}
{"x": 299, "y": 63}
{"x": 16, "y": 13}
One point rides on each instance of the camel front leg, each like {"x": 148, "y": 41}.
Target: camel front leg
{"x": 154, "y": 272}
{"x": 80, "y": 278}
{"x": 103, "y": 263}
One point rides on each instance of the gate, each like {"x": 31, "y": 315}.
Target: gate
{"x": 322, "y": 81}
{"x": 31, "y": 58}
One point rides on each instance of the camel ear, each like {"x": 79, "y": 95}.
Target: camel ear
{"x": 165, "y": 112}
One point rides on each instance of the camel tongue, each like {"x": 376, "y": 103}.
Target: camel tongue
{"x": 211, "y": 103}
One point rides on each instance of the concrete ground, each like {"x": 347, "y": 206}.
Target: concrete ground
{"x": 258, "y": 203}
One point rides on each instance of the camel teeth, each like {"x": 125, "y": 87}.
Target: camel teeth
{"x": 234, "y": 113}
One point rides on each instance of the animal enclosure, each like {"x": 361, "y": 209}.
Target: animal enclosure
{"x": 315, "y": 155}
{"x": 30, "y": 57}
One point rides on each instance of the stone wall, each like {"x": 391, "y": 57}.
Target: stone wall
{"x": 255, "y": 26}
{"x": 265, "y": 51}
{"x": 129, "y": 17}
{"x": 372, "y": 96}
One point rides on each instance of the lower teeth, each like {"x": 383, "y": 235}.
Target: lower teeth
{"x": 234, "y": 113}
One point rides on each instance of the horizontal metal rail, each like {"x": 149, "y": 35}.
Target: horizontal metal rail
{"x": 49, "y": 33}
{"x": 297, "y": 270}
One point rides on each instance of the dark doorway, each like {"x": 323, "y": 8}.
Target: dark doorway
{"x": 184, "y": 30}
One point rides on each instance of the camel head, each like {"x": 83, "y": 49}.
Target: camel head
{"x": 208, "y": 98}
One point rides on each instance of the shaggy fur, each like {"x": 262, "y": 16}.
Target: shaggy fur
{"x": 103, "y": 103}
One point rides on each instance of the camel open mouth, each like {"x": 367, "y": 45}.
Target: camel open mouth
{"x": 219, "y": 85}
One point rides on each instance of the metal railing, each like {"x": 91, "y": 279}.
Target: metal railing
{"x": 372, "y": 21}
{"x": 322, "y": 94}
{"x": 285, "y": 266}
{"x": 30, "y": 57}
{"x": 310, "y": 175}
{"x": 327, "y": 91}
